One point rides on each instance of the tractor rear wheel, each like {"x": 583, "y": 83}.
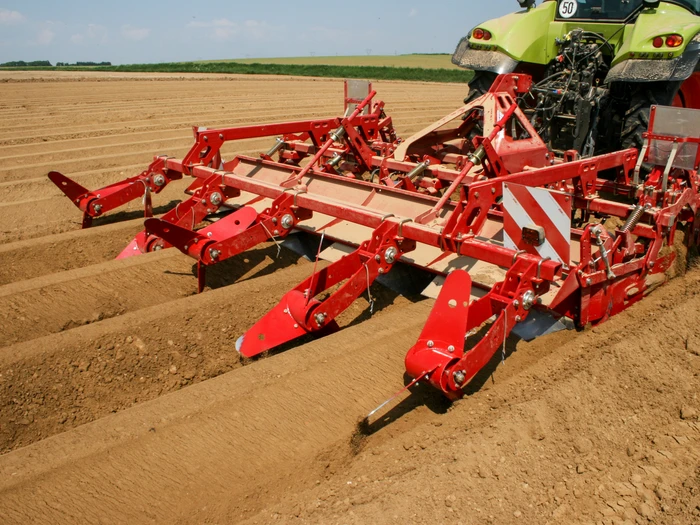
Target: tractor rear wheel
{"x": 479, "y": 85}
{"x": 685, "y": 95}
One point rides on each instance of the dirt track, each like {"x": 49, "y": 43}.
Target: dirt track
{"x": 122, "y": 399}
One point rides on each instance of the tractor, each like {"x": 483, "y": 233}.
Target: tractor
{"x": 598, "y": 66}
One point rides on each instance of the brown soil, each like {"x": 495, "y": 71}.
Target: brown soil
{"x": 122, "y": 399}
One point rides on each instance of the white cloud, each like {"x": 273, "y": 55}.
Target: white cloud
{"x": 94, "y": 33}
{"x": 8, "y": 17}
{"x": 217, "y": 22}
{"x": 135, "y": 33}
{"x": 413, "y": 12}
{"x": 222, "y": 29}
{"x": 45, "y": 37}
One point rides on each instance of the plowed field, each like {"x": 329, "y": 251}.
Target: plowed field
{"x": 123, "y": 400}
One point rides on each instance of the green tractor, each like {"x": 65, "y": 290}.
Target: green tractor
{"x": 597, "y": 65}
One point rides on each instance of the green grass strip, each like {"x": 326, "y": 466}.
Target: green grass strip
{"x": 365, "y": 72}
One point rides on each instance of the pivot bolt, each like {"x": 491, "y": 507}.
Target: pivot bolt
{"x": 98, "y": 208}
{"x": 159, "y": 181}
{"x": 214, "y": 254}
{"x": 390, "y": 255}
{"x": 459, "y": 377}
{"x": 216, "y": 198}
{"x": 528, "y": 299}
{"x": 287, "y": 221}
{"x": 518, "y": 318}
{"x": 320, "y": 319}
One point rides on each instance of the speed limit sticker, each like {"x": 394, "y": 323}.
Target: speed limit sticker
{"x": 568, "y": 8}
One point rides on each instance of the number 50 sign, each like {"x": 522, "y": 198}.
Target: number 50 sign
{"x": 568, "y": 8}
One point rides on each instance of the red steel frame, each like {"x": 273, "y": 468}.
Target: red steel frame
{"x": 614, "y": 270}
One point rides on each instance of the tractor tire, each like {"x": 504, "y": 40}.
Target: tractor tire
{"x": 479, "y": 85}
{"x": 636, "y": 119}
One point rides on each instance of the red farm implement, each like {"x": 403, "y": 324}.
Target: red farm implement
{"x": 517, "y": 236}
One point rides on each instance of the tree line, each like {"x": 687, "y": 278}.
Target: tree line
{"x": 46, "y": 63}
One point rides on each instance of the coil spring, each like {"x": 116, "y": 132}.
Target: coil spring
{"x": 634, "y": 218}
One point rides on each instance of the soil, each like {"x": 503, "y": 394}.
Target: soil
{"x": 123, "y": 400}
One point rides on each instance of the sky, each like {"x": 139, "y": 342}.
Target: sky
{"x": 129, "y": 31}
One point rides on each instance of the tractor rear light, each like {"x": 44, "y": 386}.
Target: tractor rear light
{"x": 487, "y": 35}
{"x": 674, "y": 40}
{"x": 478, "y": 34}
{"x": 658, "y": 41}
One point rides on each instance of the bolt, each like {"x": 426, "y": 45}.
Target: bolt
{"x": 377, "y": 258}
{"x": 276, "y": 232}
{"x": 98, "y": 208}
{"x": 518, "y": 318}
{"x": 157, "y": 247}
{"x": 209, "y": 234}
{"x": 450, "y": 349}
{"x": 381, "y": 270}
{"x": 274, "y": 220}
{"x": 296, "y": 325}
{"x": 221, "y": 136}
{"x": 390, "y": 255}
{"x": 528, "y": 299}
{"x": 287, "y": 221}
{"x": 159, "y": 180}
{"x": 476, "y": 195}
{"x": 493, "y": 191}
{"x": 430, "y": 344}
{"x": 320, "y": 319}
{"x": 589, "y": 281}
{"x": 459, "y": 377}
{"x": 214, "y": 254}
{"x": 216, "y": 198}
{"x": 516, "y": 303}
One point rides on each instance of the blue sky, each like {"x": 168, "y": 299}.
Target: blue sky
{"x": 128, "y": 31}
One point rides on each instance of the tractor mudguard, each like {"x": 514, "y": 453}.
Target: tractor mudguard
{"x": 514, "y": 38}
{"x": 652, "y": 70}
{"x": 638, "y": 60}
{"x": 478, "y": 60}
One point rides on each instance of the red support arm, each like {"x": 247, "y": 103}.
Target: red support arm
{"x": 299, "y": 313}
{"x": 96, "y": 203}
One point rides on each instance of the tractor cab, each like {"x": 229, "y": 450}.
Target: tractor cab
{"x": 598, "y": 10}
{"x": 611, "y": 10}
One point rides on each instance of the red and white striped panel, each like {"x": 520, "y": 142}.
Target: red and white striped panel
{"x": 525, "y": 206}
